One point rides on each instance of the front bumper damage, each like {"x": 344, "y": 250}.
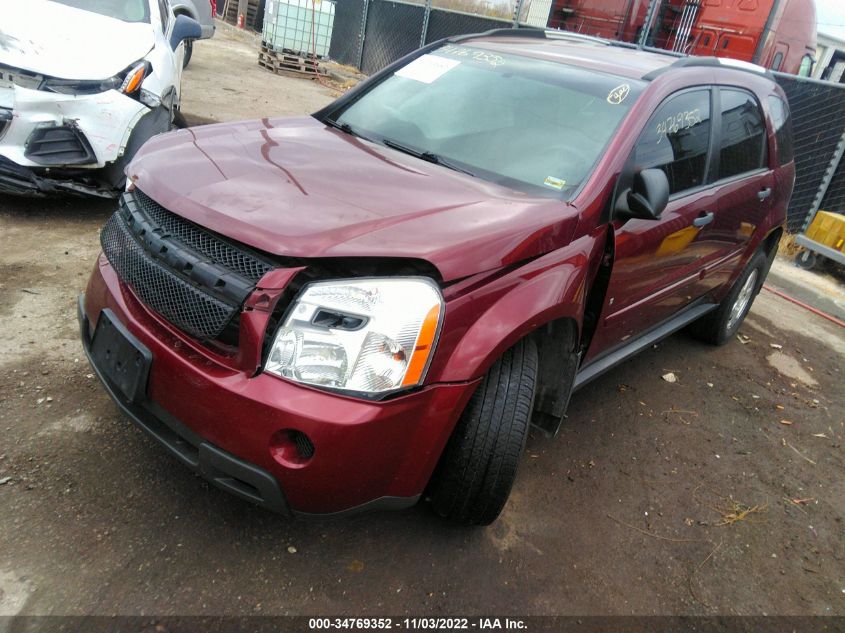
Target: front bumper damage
{"x": 17, "y": 180}
{"x": 59, "y": 143}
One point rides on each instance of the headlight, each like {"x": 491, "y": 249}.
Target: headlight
{"x": 127, "y": 82}
{"x": 80, "y": 87}
{"x": 368, "y": 336}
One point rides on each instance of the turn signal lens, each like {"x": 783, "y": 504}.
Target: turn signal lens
{"x": 422, "y": 350}
{"x": 134, "y": 78}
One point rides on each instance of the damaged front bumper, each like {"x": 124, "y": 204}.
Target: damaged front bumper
{"x": 17, "y": 180}
{"x": 59, "y": 143}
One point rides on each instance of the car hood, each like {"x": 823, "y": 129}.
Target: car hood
{"x": 298, "y": 188}
{"x": 52, "y": 39}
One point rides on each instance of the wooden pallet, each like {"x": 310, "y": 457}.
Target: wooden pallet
{"x": 269, "y": 50}
{"x": 284, "y": 63}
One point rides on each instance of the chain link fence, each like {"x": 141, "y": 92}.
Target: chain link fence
{"x": 350, "y": 18}
{"x": 393, "y": 30}
{"x": 443, "y": 23}
{"x": 371, "y": 34}
{"x": 818, "y": 122}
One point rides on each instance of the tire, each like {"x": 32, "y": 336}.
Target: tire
{"x": 189, "y": 50}
{"x": 179, "y": 122}
{"x": 806, "y": 259}
{"x": 719, "y": 326}
{"x": 154, "y": 122}
{"x": 476, "y": 472}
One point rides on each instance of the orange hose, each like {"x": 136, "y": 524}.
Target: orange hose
{"x": 314, "y": 46}
{"x": 810, "y": 308}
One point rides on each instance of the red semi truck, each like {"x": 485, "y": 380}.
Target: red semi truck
{"x": 777, "y": 34}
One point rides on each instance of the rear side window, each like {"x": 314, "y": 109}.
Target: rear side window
{"x": 783, "y": 128}
{"x": 676, "y": 140}
{"x": 743, "y": 139}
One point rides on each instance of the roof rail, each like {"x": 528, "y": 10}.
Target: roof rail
{"x": 682, "y": 60}
{"x": 694, "y": 61}
{"x": 558, "y": 34}
{"x": 523, "y": 32}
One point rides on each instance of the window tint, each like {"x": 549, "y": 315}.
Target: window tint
{"x": 743, "y": 145}
{"x": 164, "y": 10}
{"x": 783, "y": 128}
{"x": 525, "y": 123}
{"x": 125, "y": 10}
{"x": 676, "y": 140}
{"x": 777, "y": 61}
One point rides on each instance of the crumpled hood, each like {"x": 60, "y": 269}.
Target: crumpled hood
{"x": 298, "y": 188}
{"x": 52, "y": 39}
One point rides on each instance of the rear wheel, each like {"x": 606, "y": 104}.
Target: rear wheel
{"x": 478, "y": 467}
{"x": 719, "y": 326}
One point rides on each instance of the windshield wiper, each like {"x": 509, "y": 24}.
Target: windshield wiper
{"x": 343, "y": 127}
{"x": 346, "y": 128}
{"x": 430, "y": 157}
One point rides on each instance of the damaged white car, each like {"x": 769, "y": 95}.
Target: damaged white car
{"x": 83, "y": 84}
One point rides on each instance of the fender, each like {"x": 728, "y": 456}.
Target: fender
{"x": 482, "y": 322}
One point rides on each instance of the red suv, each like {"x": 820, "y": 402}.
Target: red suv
{"x": 356, "y": 308}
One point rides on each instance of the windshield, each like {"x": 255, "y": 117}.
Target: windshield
{"x": 125, "y": 10}
{"x": 525, "y": 123}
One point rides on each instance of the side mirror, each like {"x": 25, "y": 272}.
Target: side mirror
{"x": 184, "y": 28}
{"x": 647, "y": 198}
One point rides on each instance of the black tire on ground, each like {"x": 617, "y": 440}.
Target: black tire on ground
{"x": 806, "y": 259}
{"x": 179, "y": 121}
{"x": 719, "y": 326}
{"x": 154, "y": 122}
{"x": 478, "y": 467}
{"x": 189, "y": 50}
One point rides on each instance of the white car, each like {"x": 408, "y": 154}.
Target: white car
{"x": 83, "y": 84}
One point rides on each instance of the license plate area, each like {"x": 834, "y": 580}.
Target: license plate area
{"x": 120, "y": 357}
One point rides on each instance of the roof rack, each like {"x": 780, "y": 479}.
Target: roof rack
{"x": 558, "y": 34}
{"x": 682, "y": 61}
{"x": 693, "y": 61}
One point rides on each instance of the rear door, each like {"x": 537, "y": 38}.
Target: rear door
{"x": 743, "y": 184}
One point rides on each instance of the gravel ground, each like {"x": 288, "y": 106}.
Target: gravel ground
{"x": 719, "y": 493}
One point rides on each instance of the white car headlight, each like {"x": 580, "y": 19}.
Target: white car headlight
{"x": 368, "y": 336}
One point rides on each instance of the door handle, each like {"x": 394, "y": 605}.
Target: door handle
{"x": 764, "y": 193}
{"x": 703, "y": 219}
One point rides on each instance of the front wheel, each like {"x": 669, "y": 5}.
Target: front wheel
{"x": 189, "y": 50}
{"x": 719, "y": 326}
{"x": 476, "y": 472}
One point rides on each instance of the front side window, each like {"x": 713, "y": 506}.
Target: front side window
{"x": 529, "y": 124}
{"x": 743, "y": 139}
{"x": 676, "y": 139}
{"x": 125, "y": 10}
{"x": 783, "y": 128}
{"x": 164, "y": 10}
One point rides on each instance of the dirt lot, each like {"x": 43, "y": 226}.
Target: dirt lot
{"x": 720, "y": 493}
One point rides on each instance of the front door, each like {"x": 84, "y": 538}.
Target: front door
{"x": 657, "y": 262}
